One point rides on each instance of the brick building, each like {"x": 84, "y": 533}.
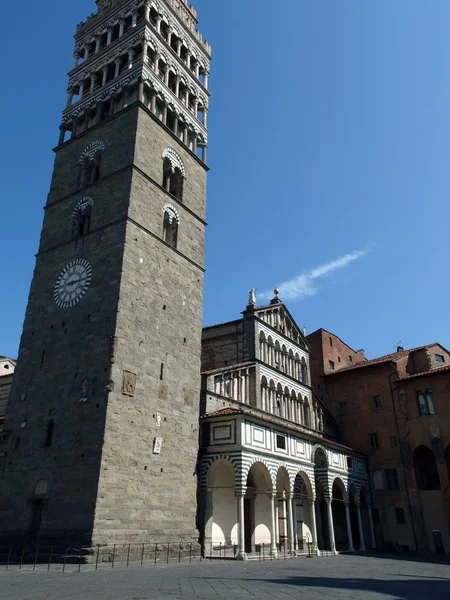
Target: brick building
{"x": 395, "y": 409}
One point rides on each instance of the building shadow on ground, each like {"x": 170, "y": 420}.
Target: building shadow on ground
{"x": 398, "y": 589}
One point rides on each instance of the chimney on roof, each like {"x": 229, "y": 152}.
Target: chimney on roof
{"x": 400, "y": 349}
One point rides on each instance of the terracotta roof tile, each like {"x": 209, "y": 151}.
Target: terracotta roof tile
{"x": 381, "y": 359}
{"x": 425, "y": 373}
{"x": 225, "y": 411}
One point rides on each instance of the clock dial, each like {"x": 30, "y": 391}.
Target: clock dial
{"x": 72, "y": 283}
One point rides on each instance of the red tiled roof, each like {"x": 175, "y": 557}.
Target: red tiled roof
{"x": 228, "y": 368}
{"x": 425, "y": 373}
{"x": 382, "y": 359}
{"x": 224, "y": 323}
{"x": 224, "y": 411}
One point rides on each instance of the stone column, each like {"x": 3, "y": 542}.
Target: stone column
{"x": 156, "y": 65}
{"x": 294, "y": 516}
{"x": 134, "y": 17}
{"x": 206, "y": 79}
{"x": 289, "y": 500}
{"x": 69, "y": 97}
{"x": 247, "y": 385}
{"x": 81, "y": 90}
{"x": 273, "y": 542}
{"x": 92, "y": 83}
{"x": 188, "y": 59}
{"x": 104, "y": 75}
{"x": 169, "y": 35}
{"x": 349, "y": 527}
{"x": 147, "y": 11}
{"x": 144, "y": 51}
{"x": 205, "y": 116}
{"x": 312, "y": 510}
{"x": 62, "y": 132}
{"x": 109, "y": 36}
{"x": 360, "y": 526}
{"x": 158, "y": 23}
{"x": 117, "y": 68}
{"x": 97, "y": 44}
{"x": 121, "y": 27}
{"x": 141, "y": 91}
{"x": 166, "y": 75}
{"x": 125, "y": 96}
{"x": 130, "y": 58}
{"x": 177, "y": 86}
{"x": 372, "y": 530}
{"x": 329, "y": 502}
{"x": 197, "y": 69}
{"x": 153, "y": 107}
{"x": 179, "y": 44}
{"x": 196, "y": 108}
{"x": 86, "y": 52}
{"x": 112, "y": 102}
{"x": 240, "y": 495}
{"x": 75, "y": 59}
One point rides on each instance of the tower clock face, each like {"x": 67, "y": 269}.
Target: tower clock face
{"x": 72, "y": 283}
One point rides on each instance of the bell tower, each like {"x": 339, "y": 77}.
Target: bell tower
{"x": 100, "y": 438}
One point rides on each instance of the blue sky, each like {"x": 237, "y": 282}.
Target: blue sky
{"x": 329, "y": 154}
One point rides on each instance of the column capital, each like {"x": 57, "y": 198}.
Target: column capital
{"x": 329, "y": 500}
{"x": 240, "y": 492}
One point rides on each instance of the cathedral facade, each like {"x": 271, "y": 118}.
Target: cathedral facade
{"x": 273, "y": 477}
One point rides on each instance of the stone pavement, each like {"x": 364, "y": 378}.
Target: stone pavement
{"x": 341, "y": 578}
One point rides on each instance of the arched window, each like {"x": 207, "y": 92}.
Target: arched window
{"x": 425, "y": 403}
{"x": 425, "y": 468}
{"x": 170, "y": 225}
{"x": 82, "y": 216}
{"x": 90, "y": 162}
{"x": 304, "y": 371}
{"x": 173, "y": 173}
{"x": 307, "y": 413}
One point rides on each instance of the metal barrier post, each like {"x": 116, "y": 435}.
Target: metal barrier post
{"x": 168, "y": 551}
{"x": 50, "y": 559}
{"x": 128, "y": 557}
{"x": 156, "y": 551}
{"x": 35, "y": 558}
{"x": 79, "y": 562}
{"x": 142, "y": 555}
{"x": 190, "y": 552}
{"x": 113, "y": 557}
{"x": 8, "y": 559}
{"x": 65, "y": 558}
{"x": 21, "y": 558}
{"x": 98, "y": 554}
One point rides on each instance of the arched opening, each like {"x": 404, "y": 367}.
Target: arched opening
{"x": 353, "y": 495}
{"x": 447, "y": 462}
{"x": 37, "y": 507}
{"x": 170, "y": 226}
{"x": 173, "y": 179}
{"x": 303, "y": 521}
{"x": 90, "y": 169}
{"x": 426, "y": 470}
{"x": 304, "y": 371}
{"x": 281, "y": 509}
{"x": 221, "y": 515}
{"x": 339, "y": 515}
{"x": 306, "y": 412}
{"x": 83, "y": 222}
{"x": 257, "y": 508}
{"x": 322, "y": 522}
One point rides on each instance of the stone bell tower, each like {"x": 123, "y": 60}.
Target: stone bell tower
{"x": 101, "y": 434}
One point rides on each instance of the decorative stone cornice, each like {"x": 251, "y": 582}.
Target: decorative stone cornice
{"x": 194, "y": 45}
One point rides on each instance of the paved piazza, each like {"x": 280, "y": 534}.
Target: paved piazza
{"x": 343, "y": 577}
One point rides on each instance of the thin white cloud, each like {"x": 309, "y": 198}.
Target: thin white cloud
{"x": 303, "y": 285}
